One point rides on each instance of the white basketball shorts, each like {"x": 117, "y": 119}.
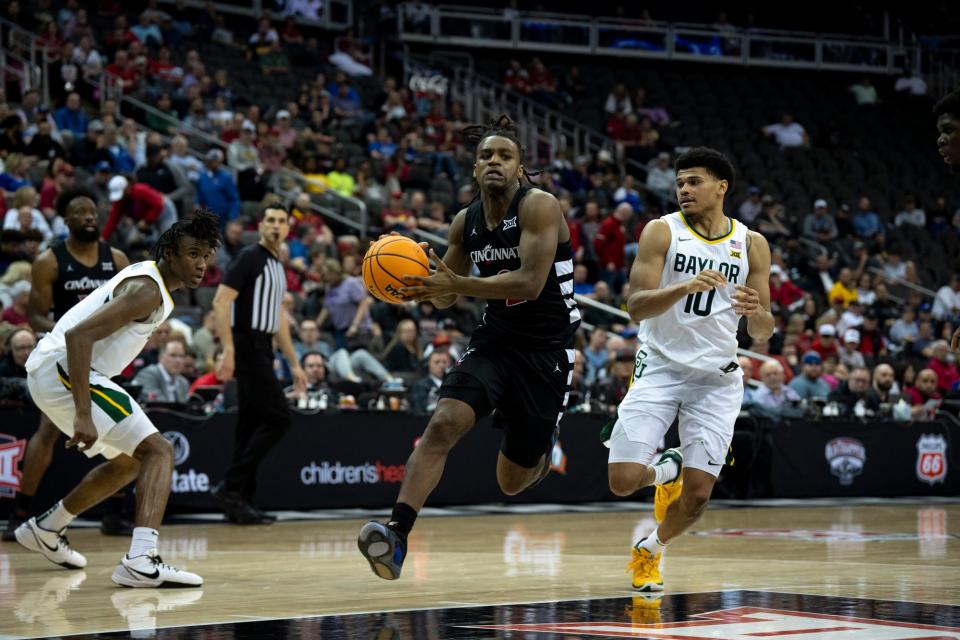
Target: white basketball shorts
{"x": 121, "y": 423}
{"x": 707, "y": 403}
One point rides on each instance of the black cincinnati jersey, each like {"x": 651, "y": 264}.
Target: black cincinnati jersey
{"x": 75, "y": 281}
{"x": 548, "y": 322}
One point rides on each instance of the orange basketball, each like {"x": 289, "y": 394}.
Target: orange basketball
{"x": 387, "y": 261}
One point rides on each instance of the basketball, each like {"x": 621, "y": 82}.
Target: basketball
{"x": 387, "y": 261}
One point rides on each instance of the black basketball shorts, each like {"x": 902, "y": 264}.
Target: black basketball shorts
{"x": 529, "y": 389}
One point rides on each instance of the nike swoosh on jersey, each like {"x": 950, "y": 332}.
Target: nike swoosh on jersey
{"x": 683, "y": 239}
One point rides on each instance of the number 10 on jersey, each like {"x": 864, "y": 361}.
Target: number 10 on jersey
{"x": 695, "y": 303}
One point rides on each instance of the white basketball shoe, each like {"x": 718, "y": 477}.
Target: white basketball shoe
{"x": 149, "y": 570}
{"x": 53, "y": 545}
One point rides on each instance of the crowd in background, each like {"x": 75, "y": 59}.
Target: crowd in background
{"x": 851, "y": 339}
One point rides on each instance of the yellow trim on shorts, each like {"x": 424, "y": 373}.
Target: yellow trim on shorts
{"x": 123, "y": 412}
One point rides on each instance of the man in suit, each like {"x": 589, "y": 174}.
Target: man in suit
{"x": 164, "y": 382}
{"x": 423, "y": 394}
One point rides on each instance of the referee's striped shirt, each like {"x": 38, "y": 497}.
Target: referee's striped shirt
{"x": 260, "y": 282}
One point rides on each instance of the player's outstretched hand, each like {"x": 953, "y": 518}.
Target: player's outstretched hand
{"x": 441, "y": 282}
{"x": 706, "y": 280}
{"x": 84, "y": 433}
{"x": 955, "y": 342}
{"x": 746, "y": 301}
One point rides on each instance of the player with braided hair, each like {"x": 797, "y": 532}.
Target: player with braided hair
{"x": 519, "y": 363}
{"x": 69, "y": 377}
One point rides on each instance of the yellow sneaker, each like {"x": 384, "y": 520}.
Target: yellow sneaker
{"x": 645, "y": 609}
{"x": 664, "y": 496}
{"x": 645, "y": 569}
{"x": 668, "y": 491}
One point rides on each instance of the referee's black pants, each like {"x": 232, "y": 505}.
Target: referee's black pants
{"x": 263, "y": 413}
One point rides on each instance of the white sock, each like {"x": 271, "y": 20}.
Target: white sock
{"x": 56, "y": 518}
{"x": 666, "y": 471}
{"x": 144, "y": 540}
{"x": 652, "y": 543}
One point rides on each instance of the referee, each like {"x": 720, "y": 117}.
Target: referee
{"x": 249, "y": 314}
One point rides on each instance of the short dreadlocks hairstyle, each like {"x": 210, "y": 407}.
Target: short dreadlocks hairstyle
{"x": 712, "y": 160}
{"x": 948, "y": 104}
{"x": 203, "y": 226}
{"x": 69, "y": 195}
{"x": 504, "y": 127}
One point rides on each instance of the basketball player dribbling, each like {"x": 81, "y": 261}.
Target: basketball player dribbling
{"x": 947, "y": 111}
{"x": 519, "y": 363}
{"x": 61, "y": 277}
{"x": 696, "y": 273}
{"x": 68, "y": 375}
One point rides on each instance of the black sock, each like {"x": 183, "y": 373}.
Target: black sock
{"x": 402, "y": 518}
{"x": 22, "y": 502}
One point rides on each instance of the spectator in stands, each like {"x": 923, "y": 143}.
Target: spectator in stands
{"x": 181, "y": 158}
{"x": 911, "y": 83}
{"x": 318, "y": 394}
{"x": 243, "y": 157}
{"x": 895, "y": 268}
{"x": 167, "y": 121}
{"x": 844, "y": 288}
{"x": 86, "y": 152}
{"x": 340, "y": 179}
{"x": 308, "y": 339}
{"x": 924, "y": 398}
{"x": 24, "y": 215}
{"x": 42, "y": 145}
{"x": 14, "y": 176}
{"x": 826, "y": 343}
{"x": 787, "y": 133}
{"x": 71, "y": 117}
{"x": 516, "y": 78}
{"x": 397, "y": 217}
{"x": 783, "y": 294}
{"x": 820, "y": 226}
{"x": 872, "y": 343}
{"x": 98, "y": 183}
{"x": 885, "y": 383}
{"x": 403, "y": 353}
{"x": 866, "y": 223}
{"x": 856, "y": 390}
{"x": 118, "y": 154}
{"x": 618, "y": 101}
{"x": 849, "y": 353}
{"x": 424, "y": 393}
{"x": 123, "y": 72}
{"x": 164, "y": 381}
{"x": 946, "y": 304}
{"x": 147, "y": 31}
{"x": 12, "y": 139}
{"x": 661, "y": 178}
{"x": 543, "y": 87}
{"x": 216, "y": 188}
{"x": 751, "y": 207}
{"x": 611, "y": 390}
{"x": 347, "y": 306}
{"x": 210, "y": 378}
{"x": 772, "y": 221}
{"x": 851, "y": 318}
{"x": 151, "y": 211}
{"x": 16, "y": 313}
{"x": 87, "y": 58}
{"x": 773, "y": 397}
{"x": 864, "y": 93}
{"x": 19, "y": 345}
{"x": 925, "y": 337}
{"x": 609, "y": 243}
{"x": 911, "y": 214}
{"x": 627, "y": 193}
{"x": 165, "y": 177}
{"x": 810, "y": 384}
{"x": 942, "y": 363}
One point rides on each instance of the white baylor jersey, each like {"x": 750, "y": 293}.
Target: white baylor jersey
{"x": 700, "y": 330}
{"x": 112, "y": 354}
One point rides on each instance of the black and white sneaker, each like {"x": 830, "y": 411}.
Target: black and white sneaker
{"x": 53, "y": 545}
{"x": 149, "y": 570}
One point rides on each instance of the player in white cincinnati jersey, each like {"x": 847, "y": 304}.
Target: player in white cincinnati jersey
{"x": 696, "y": 273}
{"x": 68, "y": 375}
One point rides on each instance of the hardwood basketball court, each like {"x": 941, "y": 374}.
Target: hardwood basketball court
{"x": 466, "y": 574}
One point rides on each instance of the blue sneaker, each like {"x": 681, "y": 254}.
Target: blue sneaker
{"x": 383, "y": 548}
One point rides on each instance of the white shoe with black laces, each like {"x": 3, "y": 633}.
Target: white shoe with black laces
{"x": 53, "y": 545}
{"x": 149, "y": 571}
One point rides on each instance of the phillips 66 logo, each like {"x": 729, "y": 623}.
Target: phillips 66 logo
{"x": 932, "y": 458}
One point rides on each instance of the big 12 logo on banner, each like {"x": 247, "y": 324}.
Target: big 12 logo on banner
{"x": 11, "y": 451}
{"x": 932, "y": 458}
